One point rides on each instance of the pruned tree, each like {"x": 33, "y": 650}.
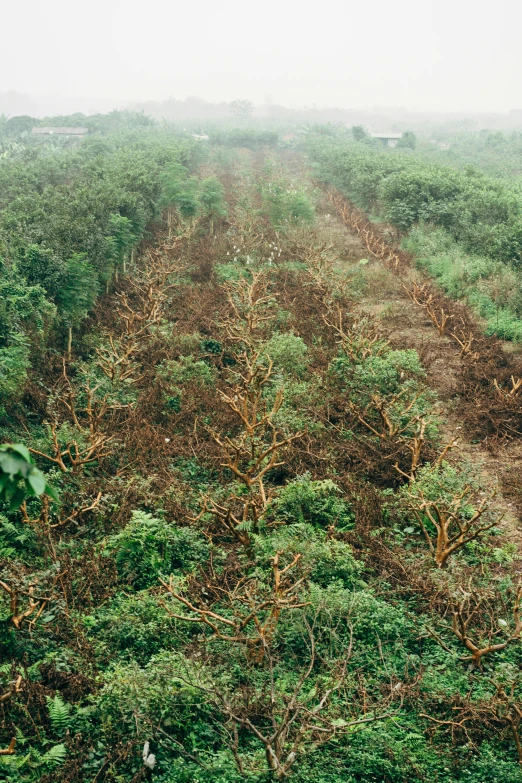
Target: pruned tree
{"x": 86, "y": 410}
{"x": 359, "y": 337}
{"x": 450, "y": 514}
{"x": 24, "y": 602}
{"x": 253, "y": 451}
{"x": 255, "y": 608}
{"x": 292, "y": 716}
{"x": 476, "y": 623}
{"x": 251, "y": 308}
{"x": 500, "y": 712}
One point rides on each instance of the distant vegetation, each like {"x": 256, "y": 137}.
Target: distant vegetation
{"x": 477, "y": 250}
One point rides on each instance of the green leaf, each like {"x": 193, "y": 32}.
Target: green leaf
{"x": 36, "y": 479}
{"x": 17, "y": 498}
{"x": 23, "y": 450}
{"x": 10, "y": 464}
{"x": 51, "y": 492}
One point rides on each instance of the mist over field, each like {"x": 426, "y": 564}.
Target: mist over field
{"x": 434, "y": 56}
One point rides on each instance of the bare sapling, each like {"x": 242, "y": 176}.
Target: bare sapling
{"x": 359, "y": 337}
{"x": 476, "y": 623}
{"x": 449, "y": 518}
{"x": 253, "y": 451}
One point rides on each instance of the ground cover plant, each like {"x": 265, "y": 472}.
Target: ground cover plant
{"x": 242, "y": 544}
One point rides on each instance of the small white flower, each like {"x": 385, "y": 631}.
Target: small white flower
{"x": 167, "y": 440}
{"x": 149, "y": 759}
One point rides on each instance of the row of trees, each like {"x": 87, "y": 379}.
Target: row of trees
{"x": 70, "y": 222}
{"x": 482, "y": 213}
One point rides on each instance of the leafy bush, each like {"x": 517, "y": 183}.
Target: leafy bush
{"x": 286, "y": 205}
{"x": 148, "y": 548}
{"x": 324, "y": 559}
{"x": 287, "y": 352}
{"x": 132, "y": 627}
{"x": 185, "y": 369}
{"x": 316, "y": 502}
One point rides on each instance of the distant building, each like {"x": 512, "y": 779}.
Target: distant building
{"x": 200, "y": 136}
{"x": 78, "y": 133}
{"x": 387, "y": 139}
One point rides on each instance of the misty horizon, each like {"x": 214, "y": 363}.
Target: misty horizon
{"x": 434, "y": 57}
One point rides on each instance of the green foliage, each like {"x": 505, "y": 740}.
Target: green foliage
{"x": 176, "y": 374}
{"x": 19, "y": 476}
{"x": 490, "y": 287}
{"x": 78, "y": 290}
{"x": 185, "y": 369}
{"x": 212, "y": 198}
{"x": 122, "y": 237}
{"x": 24, "y": 312}
{"x": 316, "y": 502}
{"x": 132, "y": 627}
{"x": 68, "y": 218}
{"x": 287, "y": 205}
{"x": 16, "y": 540}
{"x": 408, "y": 140}
{"x": 252, "y": 138}
{"x": 324, "y": 559}
{"x": 482, "y": 213}
{"x": 288, "y": 353}
{"x": 149, "y": 547}
{"x": 180, "y": 191}
{"x": 59, "y": 714}
{"x": 359, "y": 133}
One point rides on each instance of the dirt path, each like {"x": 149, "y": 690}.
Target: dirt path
{"x": 407, "y": 325}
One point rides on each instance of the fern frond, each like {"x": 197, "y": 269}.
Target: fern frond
{"x": 55, "y": 756}
{"x": 59, "y": 714}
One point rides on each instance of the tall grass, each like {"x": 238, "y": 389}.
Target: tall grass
{"x": 493, "y": 289}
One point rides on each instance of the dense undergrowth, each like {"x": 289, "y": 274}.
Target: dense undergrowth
{"x": 266, "y": 562}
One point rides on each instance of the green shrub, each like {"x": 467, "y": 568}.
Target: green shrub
{"x": 148, "y": 548}
{"x": 186, "y": 368}
{"x": 324, "y": 559}
{"x": 316, "y": 502}
{"x": 132, "y": 627}
{"x": 288, "y": 353}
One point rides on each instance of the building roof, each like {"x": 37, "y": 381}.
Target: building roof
{"x": 49, "y": 131}
{"x": 386, "y": 135}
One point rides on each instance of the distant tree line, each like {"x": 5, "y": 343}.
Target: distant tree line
{"x": 70, "y": 219}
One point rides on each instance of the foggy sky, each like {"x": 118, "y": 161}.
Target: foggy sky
{"x": 440, "y": 55}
